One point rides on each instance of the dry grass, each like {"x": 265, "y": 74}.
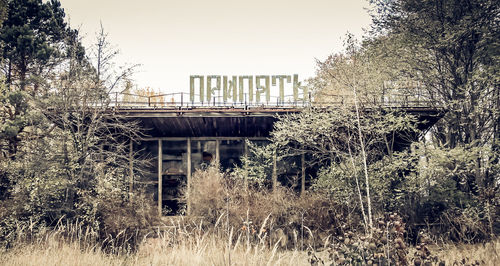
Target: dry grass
{"x": 209, "y": 250}
{"x": 217, "y": 252}
{"x": 239, "y": 227}
{"x": 176, "y": 242}
{"x": 194, "y": 250}
{"x": 472, "y": 254}
{"x": 57, "y": 254}
{"x": 308, "y": 219}
{"x": 187, "y": 242}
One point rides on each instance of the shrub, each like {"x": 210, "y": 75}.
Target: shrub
{"x": 384, "y": 246}
{"x": 280, "y": 213}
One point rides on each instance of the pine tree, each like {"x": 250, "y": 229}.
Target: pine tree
{"x": 31, "y": 41}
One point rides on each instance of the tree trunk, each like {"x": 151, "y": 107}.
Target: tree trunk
{"x": 365, "y": 166}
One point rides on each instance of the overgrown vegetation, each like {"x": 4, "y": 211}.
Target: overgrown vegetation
{"x": 230, "y": 234}
{"x": 63, "y": 154}
{"x": 384, "y": 191}
{"x": 280, "y": 214}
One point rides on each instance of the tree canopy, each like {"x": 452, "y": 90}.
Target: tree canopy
{"x": 453, "y": 48}
{"x": 31, "y": 40}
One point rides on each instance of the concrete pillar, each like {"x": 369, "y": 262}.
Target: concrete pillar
{"x": 217, "y": 152}
{"x": 188, "y": 176}
{"x": 160, "y": 179}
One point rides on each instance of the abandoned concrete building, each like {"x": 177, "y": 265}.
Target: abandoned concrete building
{"x": 183, "y": 141}
{"x": 186, "y": 136}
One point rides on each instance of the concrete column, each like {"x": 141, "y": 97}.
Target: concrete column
{"x": 160, "y": 179}
{"x": 188, "y": 176}
{"x": 245, "y": 182}
{"x": 246, "y": 146}
{"x": 217, "y": 152}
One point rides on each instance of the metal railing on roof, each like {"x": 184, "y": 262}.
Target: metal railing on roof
{"x": 182, "y": 100}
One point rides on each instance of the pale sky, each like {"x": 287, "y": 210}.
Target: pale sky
{"x": 174, "y": 39}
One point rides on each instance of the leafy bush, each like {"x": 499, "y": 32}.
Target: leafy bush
{"x": 384, "y": 246}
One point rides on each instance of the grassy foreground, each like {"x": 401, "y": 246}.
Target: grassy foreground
{"x": 151, "y": 253}
{"x": 210, "y": 251}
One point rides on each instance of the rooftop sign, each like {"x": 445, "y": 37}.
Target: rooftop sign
{"x": 235, "y": 88}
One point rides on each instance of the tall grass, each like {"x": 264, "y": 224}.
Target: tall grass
{"x": 235, "y": 225}
{"x": 184, "y": 243}
{"x": 180, "y": 242}
{"x": 469, "y": 254}
{"x": 280, "y": 214}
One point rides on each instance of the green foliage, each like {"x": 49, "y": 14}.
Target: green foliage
{"x": 3, "y": 11}
{"x": 454, "y": 54}
{"x": 330, "y": 137}
{"x": 328, "y": 134}
{"x": 257, "y": 165}
{"x": 385, "y": 246}
{"x": 449, "y": 51}
{"x": 337, "y": 182}
{"x": 18, "y": 119}
{"x": 30, "y": 39}
{"x": 13, "y": 116}
{"x": 424, "y": 183}
{"x": 63, "y": 157}
{"x": 357, "y": 67}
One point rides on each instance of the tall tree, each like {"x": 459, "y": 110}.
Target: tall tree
{"x": 74, "y": 162}
{"x": 31, "y": 40}
{"x": 452, "y": 47}
{"x": 3, "y": 11}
